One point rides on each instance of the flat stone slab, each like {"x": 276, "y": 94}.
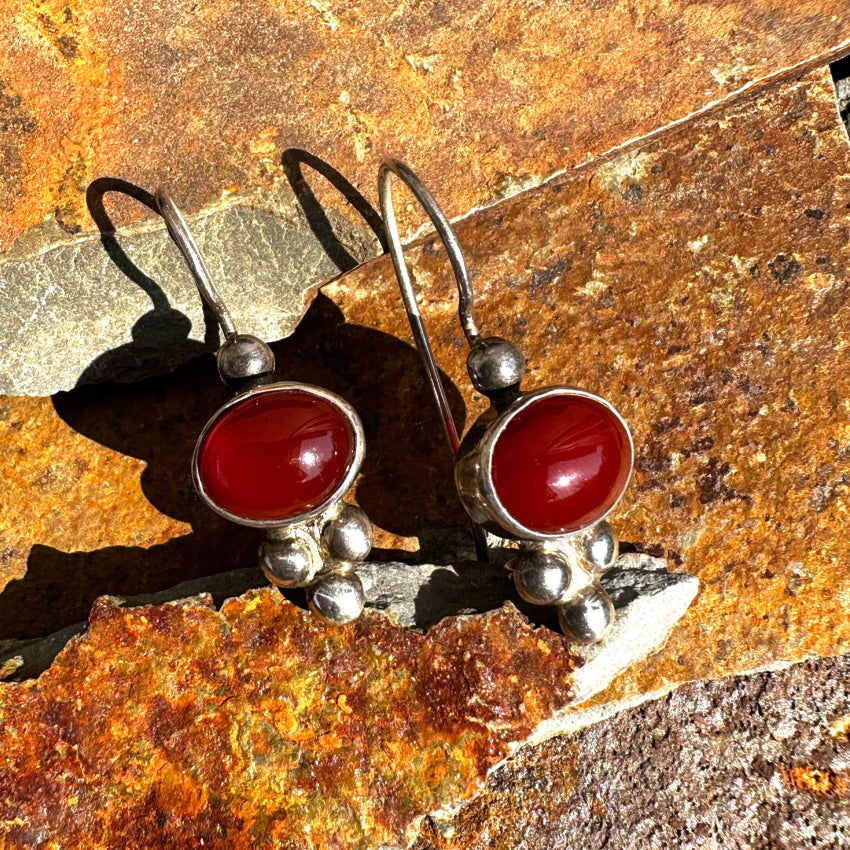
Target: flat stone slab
{"x": 258, "y": 726}
{"x": 87, "y": 308}
{"x": 698, "y": 281}
{"x": 750, "y": 762}
{"x": 482, "y": 100}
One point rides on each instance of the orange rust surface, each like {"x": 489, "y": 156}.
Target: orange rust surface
{"x": 257, "y": 726}
{"x": 55, "y": 480}
{"x": 699, "y": 282}
{"x": 206, "y": 96}
{"x": 823, "y": 783}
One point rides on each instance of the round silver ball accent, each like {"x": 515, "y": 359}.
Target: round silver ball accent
{"x": 495, "y": 364}
{"x": 589, "y": 617}
{"x": 292, "y": 562}
{"x": 337, "y": 599}
{"x": 602, "y": 547}
{"x": 349, "y": 536}
{"x": 540, "y": 578}
{"x": 244, "y": 357}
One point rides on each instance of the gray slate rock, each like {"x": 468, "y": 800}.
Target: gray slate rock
{"x": 79, "y": 310}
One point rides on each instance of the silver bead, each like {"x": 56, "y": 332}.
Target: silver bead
{"x": 337, "y": 599}
{"x": 349, "y": 536}
{"x": 292, "y": 562}
{"x": 244, "y": 358}
{"x": 495, "y": 364}
{"x": 602, "y": 547}
{"x": 540, "y": 578}
{"x": 589, "y": 617}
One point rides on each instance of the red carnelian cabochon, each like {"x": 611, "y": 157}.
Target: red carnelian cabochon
{"x": 276, "y": 454}
{"x": 561, "y": 463}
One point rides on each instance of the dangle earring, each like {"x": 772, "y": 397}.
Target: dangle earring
{"x": 542, "y": 468}
{"x": 280, "y": 456}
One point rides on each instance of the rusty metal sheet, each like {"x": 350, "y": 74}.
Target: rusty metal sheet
{"x": 256, "y": 726}
{"x": 485, "y": 99}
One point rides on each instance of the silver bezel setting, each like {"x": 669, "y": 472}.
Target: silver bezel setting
{"x": 474, "y": 469}
{"x": 354, "y": 465}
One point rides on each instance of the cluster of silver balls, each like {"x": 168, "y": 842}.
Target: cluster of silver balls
{"x": 322, "y": 557}
{"x": 567, "y": 577}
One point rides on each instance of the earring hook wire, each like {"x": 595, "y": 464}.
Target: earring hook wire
{"x": 179, "y": 232}
{"x": 390, "y": 167}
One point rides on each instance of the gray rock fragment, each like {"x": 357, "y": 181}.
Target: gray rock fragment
{"x": 420, "y": 595}
{"x": 757, "y": 762}
{"x": 649, "y": 601}
{"x": 76, "y": 310}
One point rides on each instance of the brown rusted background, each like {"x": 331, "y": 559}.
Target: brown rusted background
{"x": 697, "y": 279}
{"x": 206, "y": 96}
{"x": 257, "y": 726}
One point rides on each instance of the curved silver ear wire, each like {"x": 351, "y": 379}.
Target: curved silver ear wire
{"x": 195, "y": 262}
{"x": 464, "y": 285}
{"x": 465, "y": 297}
{"x": 320, "y": 547}
{"x": 244, "y": 361}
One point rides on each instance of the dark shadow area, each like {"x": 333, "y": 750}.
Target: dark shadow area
{"x": 292, "y": 160}
{"x": 162, "y": 334}
{"x": 474, "y": 588}
{"x": 406, "y": 484}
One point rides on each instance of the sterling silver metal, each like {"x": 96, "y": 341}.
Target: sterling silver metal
{"x": 354, "y": 462}
{"x": 540, "y": 578}
{"x": 391, "y": 167}
{"x": 337, "y": 599}
{"x": 494, "y": 365}
{"x": 182, "y": 236}
{"x": 348, "y": 537}
{"x": 589, "y": 617}
{"x": 291, "y": 562}
{"x": 602, "y": 547}
{"x": 244, "y": 357}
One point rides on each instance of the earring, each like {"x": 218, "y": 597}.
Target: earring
{"x": 280, "y": 456}
{"x": 541, "y": 469}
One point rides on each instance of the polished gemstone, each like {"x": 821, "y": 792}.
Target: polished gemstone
{"x": 275, "y": 455}
{"x": 561, "y": 463}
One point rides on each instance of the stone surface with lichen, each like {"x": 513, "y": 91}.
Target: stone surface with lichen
{"x": 696, "y": 277}
{"x": 257, "y": 726}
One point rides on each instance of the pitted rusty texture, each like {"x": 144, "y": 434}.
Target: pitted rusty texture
{"x": 699, "y": 283}
{"x": 746, "y": 762}
{"x": 257, "y": 726}
{"x": 481, "y": 99}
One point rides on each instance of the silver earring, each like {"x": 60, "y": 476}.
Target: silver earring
{"x": 541, "y": 469}
{"x": 280, "y": 456}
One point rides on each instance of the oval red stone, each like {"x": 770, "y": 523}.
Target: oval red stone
{"x": 561, "y": 463}
{"x": 275, "y": 455}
